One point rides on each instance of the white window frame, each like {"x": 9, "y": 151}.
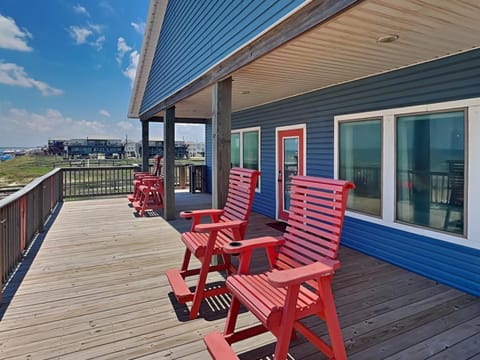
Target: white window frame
{"x": 472, "y": 169}
{"x": 251, "y": 129}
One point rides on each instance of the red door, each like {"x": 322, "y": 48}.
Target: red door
{"x": 290, "y": 162}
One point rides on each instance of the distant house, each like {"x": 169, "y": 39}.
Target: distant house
{"x": 56, "y": 147}
{"x": 131, "y": 149}
{"x": 92, "y": 147}
{"x": 155, "y": 147}
{"x": 383, "y": 93}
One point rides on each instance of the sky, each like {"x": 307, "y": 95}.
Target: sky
{"x": 67, "y": 70}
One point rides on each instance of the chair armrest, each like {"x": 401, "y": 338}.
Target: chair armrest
{"x": 237, "y": 247}
{"x": 200, "y": 213}
{"x": 234, "y": 224}
{"x": 283, "y": 278}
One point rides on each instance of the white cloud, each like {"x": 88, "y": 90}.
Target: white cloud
{"x": 21, "y": 127}
{"x": 11, "y": 37}
{"x": 80, "y": 35}
{"x": 131, "y": 69}
{"x": 90, "y": 34}
{"x": 106, "y": 5}
{"x": 126, "y": 125}
{"x": 98, "y": 44}
{"x": 190, "y": 132}
{"x": 104, "y": 112}
{"x": 122, "y": 49}
{"x": 79, "y": 9}
{"x": 14, "y": 75}
{"x": 139, "y": 27}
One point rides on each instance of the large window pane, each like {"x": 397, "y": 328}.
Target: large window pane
{"x": 250, "y": 150}
{"x": 235, "y": 148}
{"x": 430, "y": 170}
{"x": 360, "y": 161}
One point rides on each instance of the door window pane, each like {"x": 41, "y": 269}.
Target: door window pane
{"x": 235, "y": 148}
{"x": 360, "y": 161}
{"x": 430, "y": 170}
{"x": 290, "y": 167}
{"x": 250, "y": 150}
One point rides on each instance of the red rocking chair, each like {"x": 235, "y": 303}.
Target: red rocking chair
{"x": 206, "y": 240}
{"x": 298, "y": 285}
{"x": 150, "y": 195}
{"x": 140, "y": 176}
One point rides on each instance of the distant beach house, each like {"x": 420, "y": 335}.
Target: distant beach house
{"x": 383, "y": 93}
{"x": 109, "y": 148}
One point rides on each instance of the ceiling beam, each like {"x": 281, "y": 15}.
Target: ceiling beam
{"x": 179, "y": 120}
{"x": 311, "y": 15}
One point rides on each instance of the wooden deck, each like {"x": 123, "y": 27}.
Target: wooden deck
{"x": 96, "y": 289}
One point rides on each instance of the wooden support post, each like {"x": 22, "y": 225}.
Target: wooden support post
{"x": 145, "y": 145}
{"x": 221, "y": 134}
{"x": 183, "y": 176}
{"x": 169, "y": 209}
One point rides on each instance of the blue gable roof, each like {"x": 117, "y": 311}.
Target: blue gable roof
{"x": 196, "y": 35}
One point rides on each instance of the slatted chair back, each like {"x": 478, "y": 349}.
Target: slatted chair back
{"x": 314, "y": 227}
{"x": 157, "y": 166}
{"x": 456, "y": 183}
{"x": 241, "y": 190}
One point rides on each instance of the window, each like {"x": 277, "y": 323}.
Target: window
{"x": 245, "y": 149}
{"x": 235, "y": 146}
{"x": 360, "y": 160}
{"x": 412, "y": 167}
{"x": 430, "y": 177}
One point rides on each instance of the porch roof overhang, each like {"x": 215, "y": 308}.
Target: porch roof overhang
{"x": 337, "y": 42}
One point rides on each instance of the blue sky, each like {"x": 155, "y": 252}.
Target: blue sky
{"x": 67, "y": 68}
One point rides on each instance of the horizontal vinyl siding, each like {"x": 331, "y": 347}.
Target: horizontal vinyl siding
{"x": 453, "y": 78}
{"x": 195, "y": 35}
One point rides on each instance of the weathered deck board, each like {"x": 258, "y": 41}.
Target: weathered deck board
{"x": 96, "y": 289}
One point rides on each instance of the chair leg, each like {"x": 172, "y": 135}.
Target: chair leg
{"x": 146, "y": 199}
{"x": 331, "y": 320}
{"x": 200, "y": 288}
{"x": 186, "y": 260}
{"x": 232, "y": 316}
{"x": 288, "y": 318}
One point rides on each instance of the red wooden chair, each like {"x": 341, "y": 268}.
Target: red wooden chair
{"x": 298, "y": 285}
{"x": 150, "y": 195}
{"x": 140, "y": 176}
{"x": 207, "y": 240}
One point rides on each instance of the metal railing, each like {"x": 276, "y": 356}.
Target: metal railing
{"x": 112, "y": 180}
{"x": 368, "y": 183}
{"x": 97, "y": 181}
{"x": 22, "y": 216}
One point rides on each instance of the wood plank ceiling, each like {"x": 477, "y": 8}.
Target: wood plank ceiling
{"x": 346, "y": 48}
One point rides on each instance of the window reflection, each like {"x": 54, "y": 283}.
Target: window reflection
{"x": 360, "y": 161}
{"x": 430, "y": 170}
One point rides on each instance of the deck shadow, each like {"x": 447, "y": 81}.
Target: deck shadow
{"x": 16, "y": 279}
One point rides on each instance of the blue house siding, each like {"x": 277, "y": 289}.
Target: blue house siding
{"x": 453, "y": 78}
{"x": 195, "y": 35}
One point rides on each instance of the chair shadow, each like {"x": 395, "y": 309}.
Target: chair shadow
{"x": 212, "y": 308}
{"x": 149, "y": 214}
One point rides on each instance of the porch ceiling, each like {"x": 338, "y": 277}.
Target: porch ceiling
{"x": 346, "y": 48}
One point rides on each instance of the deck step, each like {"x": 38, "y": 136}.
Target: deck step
{"x": 218, "y": 347}
{"x": 179, "y": 287}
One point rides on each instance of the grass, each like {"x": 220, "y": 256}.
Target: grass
{"x": 23, "y": 169}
